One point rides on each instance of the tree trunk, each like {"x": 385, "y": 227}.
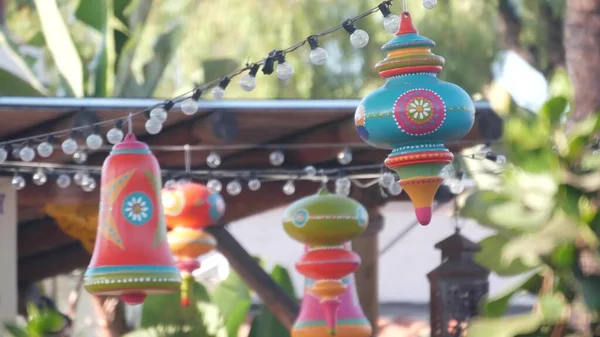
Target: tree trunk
{"x": 582, "y": 42}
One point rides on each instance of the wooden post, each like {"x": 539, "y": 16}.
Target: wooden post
{"x": 367, "y": 247}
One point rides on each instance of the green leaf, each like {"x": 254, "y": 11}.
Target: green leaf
{"x": 232, "y": 297}
{"x": 265, "y": 324}
{"x": 531, "y": 247}
{"x": 490, "y": 208}
{"x": 553, "y": 110}
{"x": 15, "y": 330}
{"x": 61, "y": 46}
{"x": 164, "y": 50}
{"x": 202, "y": 317}
{"x": 553, "y": 308}
{"x": 568, "y": 199}
{"x": 489, "y": 256}
{"x": 504, "y": 327}
{"x": 98, "y": 15}
{"x": 498, "y": 306}
{"x": 564, "y": 255}
{"x": 16, "y": 79}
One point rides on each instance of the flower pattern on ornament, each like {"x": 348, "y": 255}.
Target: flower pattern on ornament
{"x": 137, "y": 208}
{"x": 419, "y": 112}
{"x": 301, "y": 218}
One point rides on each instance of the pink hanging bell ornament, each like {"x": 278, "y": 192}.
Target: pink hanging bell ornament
{"x": 131, "y": 256}
{"x": 414, "y": 114}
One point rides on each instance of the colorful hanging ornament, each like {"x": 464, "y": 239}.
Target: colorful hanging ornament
{"x": 325, "y": 222}
{"x": 189, "y": 208}
{"x": 351, "y": 322}
{"x": 413, "y": 114}
{"x": 131, "y": 257}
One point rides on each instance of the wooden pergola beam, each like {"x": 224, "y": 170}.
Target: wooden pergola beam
{"x": 40, "y": 236}
{"x": 276, "y": 299}
{"x": 58, "y": 261}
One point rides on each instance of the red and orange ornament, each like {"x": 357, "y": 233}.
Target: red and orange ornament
{"x": 190, "y": 208}
{"x": 325, "y": 222}
{"x": 131, "y": 257}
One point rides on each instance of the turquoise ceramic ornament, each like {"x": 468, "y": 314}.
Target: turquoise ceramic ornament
{"x": 325, "y": 219}
{"x": 414, "y": 114}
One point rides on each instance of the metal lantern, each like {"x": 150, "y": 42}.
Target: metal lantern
{"x": 457, "y": 286}
{"x": 312, "y": 322}
{"x": 189, "y": 208}
{"x": 414, "y": 114}
{"x": 131, "y": 257}
{"x": 325, "y": 222}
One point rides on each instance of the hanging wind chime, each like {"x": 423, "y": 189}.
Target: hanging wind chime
{"x": 131, "y": 257}
{"x": 325, "y": 222}
{"x": 189, "y": 208}
{"x": 414, "y": 114}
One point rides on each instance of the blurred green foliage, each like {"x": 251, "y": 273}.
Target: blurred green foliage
{"x": 218, "y": 313}
{"x": 546, "y": 216}
{"x": 139, "y": 48}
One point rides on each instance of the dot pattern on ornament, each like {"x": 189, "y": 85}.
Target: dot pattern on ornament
{"x": 419, "y": 112}
{"x": 137, "y": 208}
{"x": 301, "y": 218}
{"x": 132, "y": 280}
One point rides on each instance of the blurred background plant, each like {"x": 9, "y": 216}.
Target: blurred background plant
{"x": 70, "y": 48}
{"x": 545, "y": 211}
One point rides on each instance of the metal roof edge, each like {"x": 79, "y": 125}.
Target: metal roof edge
{"x": 143, "y": 103}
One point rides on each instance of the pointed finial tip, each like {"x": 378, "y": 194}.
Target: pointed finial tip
{"x": 406, "y": 25}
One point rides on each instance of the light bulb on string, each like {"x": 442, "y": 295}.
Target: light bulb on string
{"x": 342, "y": 191}
{"x": 63, "y": 180}
{"x": 94, "y": 141}
{"x": 248, "y": 81}
{"x": 219, "y": 91}
{"x": 344, "y": 157}
{"x": 190, "y": 105}
{"x": 276, "y": 158}
{"x": 289, "y": 187}
{"x": 497, "y": 158}
{"x": 284, "y": 70}
{"x": 170, "y": 183}
{"x": 39, "y": 177}
{"x": 386, "y": 179}
{"x": 69, "y": 145}
{"x": 115, "y": 135}
{"x": 234, "y": 187}
{"x": 343, "y": 183}
{"x": 80, "y": 156}
{"x": 214, "y": 185}
{"x": 88, "y": 184}
{"x": 358, "y": 37}
{"x": 27, "y": 153}
{"x": 391, "y": 22}
{"x": 395, "y": 189}
{"x": 213, "y": 160}
{"x": 45, "y": 148}
{"x": 153, "y": 126}
{"x": 18, "y": 182}
{"x": 456, "y": 186}
{"x": 310, "y": 171}
{"x": 3, "y": 154}
{"x": 429, "y": 4}
{"x": 79, "y": 176}
{"x": 161, "y": 113}
{"x": 318, "y": 55}
{"x": 254, "y": 184}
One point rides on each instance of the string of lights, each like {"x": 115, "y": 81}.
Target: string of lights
{"x": 43, "y": 145}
